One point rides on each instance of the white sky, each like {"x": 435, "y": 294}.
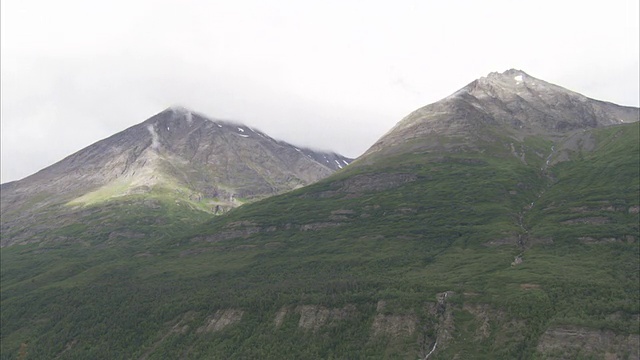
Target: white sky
{"x": 332, "y": 75}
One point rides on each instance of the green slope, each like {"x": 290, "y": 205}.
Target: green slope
{"x": 385, "y": 259}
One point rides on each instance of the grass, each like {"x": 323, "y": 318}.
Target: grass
{"x": 108, "y": 192}
{"x": 120, "y": 296}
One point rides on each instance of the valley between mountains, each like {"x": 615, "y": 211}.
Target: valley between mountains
{"x": 498, "y": 223}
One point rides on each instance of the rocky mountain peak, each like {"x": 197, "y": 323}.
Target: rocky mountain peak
{"x": 177, "y": 109}
{"x": 179, "y": 112}
{"x": 210, "y": 164}
{"x": 178, "y": 117}
{"x": 511, "y": 73}
{"x": 513, "y": 83}
{"x": 512, "y": 102}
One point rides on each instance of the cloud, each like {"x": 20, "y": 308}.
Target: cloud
{"x": 155, "y": 143}
{"x": 331, "y": 75}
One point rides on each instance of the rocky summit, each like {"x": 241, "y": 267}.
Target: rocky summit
{"x": 211, "y": 165}
{"x": 511, "y": 103}
{"x": 498, "y": 223}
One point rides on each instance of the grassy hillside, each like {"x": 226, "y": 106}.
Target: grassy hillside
{"x": 484, "y": 255}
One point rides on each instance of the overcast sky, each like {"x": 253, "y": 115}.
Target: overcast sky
{"x": 332, "y": 75}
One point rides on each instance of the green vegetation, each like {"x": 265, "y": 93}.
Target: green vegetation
{"x": 351, "y": 266}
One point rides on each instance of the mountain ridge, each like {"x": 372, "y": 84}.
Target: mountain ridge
{"x": 215, "y": 165}
{"x": 518, "y": 103}
{"x": 492, "y": 242}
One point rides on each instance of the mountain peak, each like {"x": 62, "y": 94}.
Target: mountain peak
{"x": 207, "y": 164}
{"x": 496, "y": 84}
{"x": 177, "y": 109}
{"x": 511, "y": 79}
{"x": 513, "y": 76}
{"x": 508, "y": 73}
{"x": 177, "y": 112}
{"x": 512, "y": 102}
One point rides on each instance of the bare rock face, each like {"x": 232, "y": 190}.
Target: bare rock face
{"x": 575, "y": 342}
{"x": 213, "y": 163}
{"x": 394, "y": 326}
{"x": 220, "y": 320}
{"x": 513, "y": 103}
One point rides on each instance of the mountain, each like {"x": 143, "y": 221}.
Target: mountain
{"x": 462, "y": 233}
{"x": 210, "y": 165}
{"x": 512, "y": 104}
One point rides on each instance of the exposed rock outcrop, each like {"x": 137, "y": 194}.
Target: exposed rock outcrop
{"x": 563, "y": 342}
{"x": 220, "y": 320}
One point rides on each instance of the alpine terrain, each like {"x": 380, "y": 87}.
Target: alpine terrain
{"x": 177, "y": 156}
{"x": 498, "y": 223}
